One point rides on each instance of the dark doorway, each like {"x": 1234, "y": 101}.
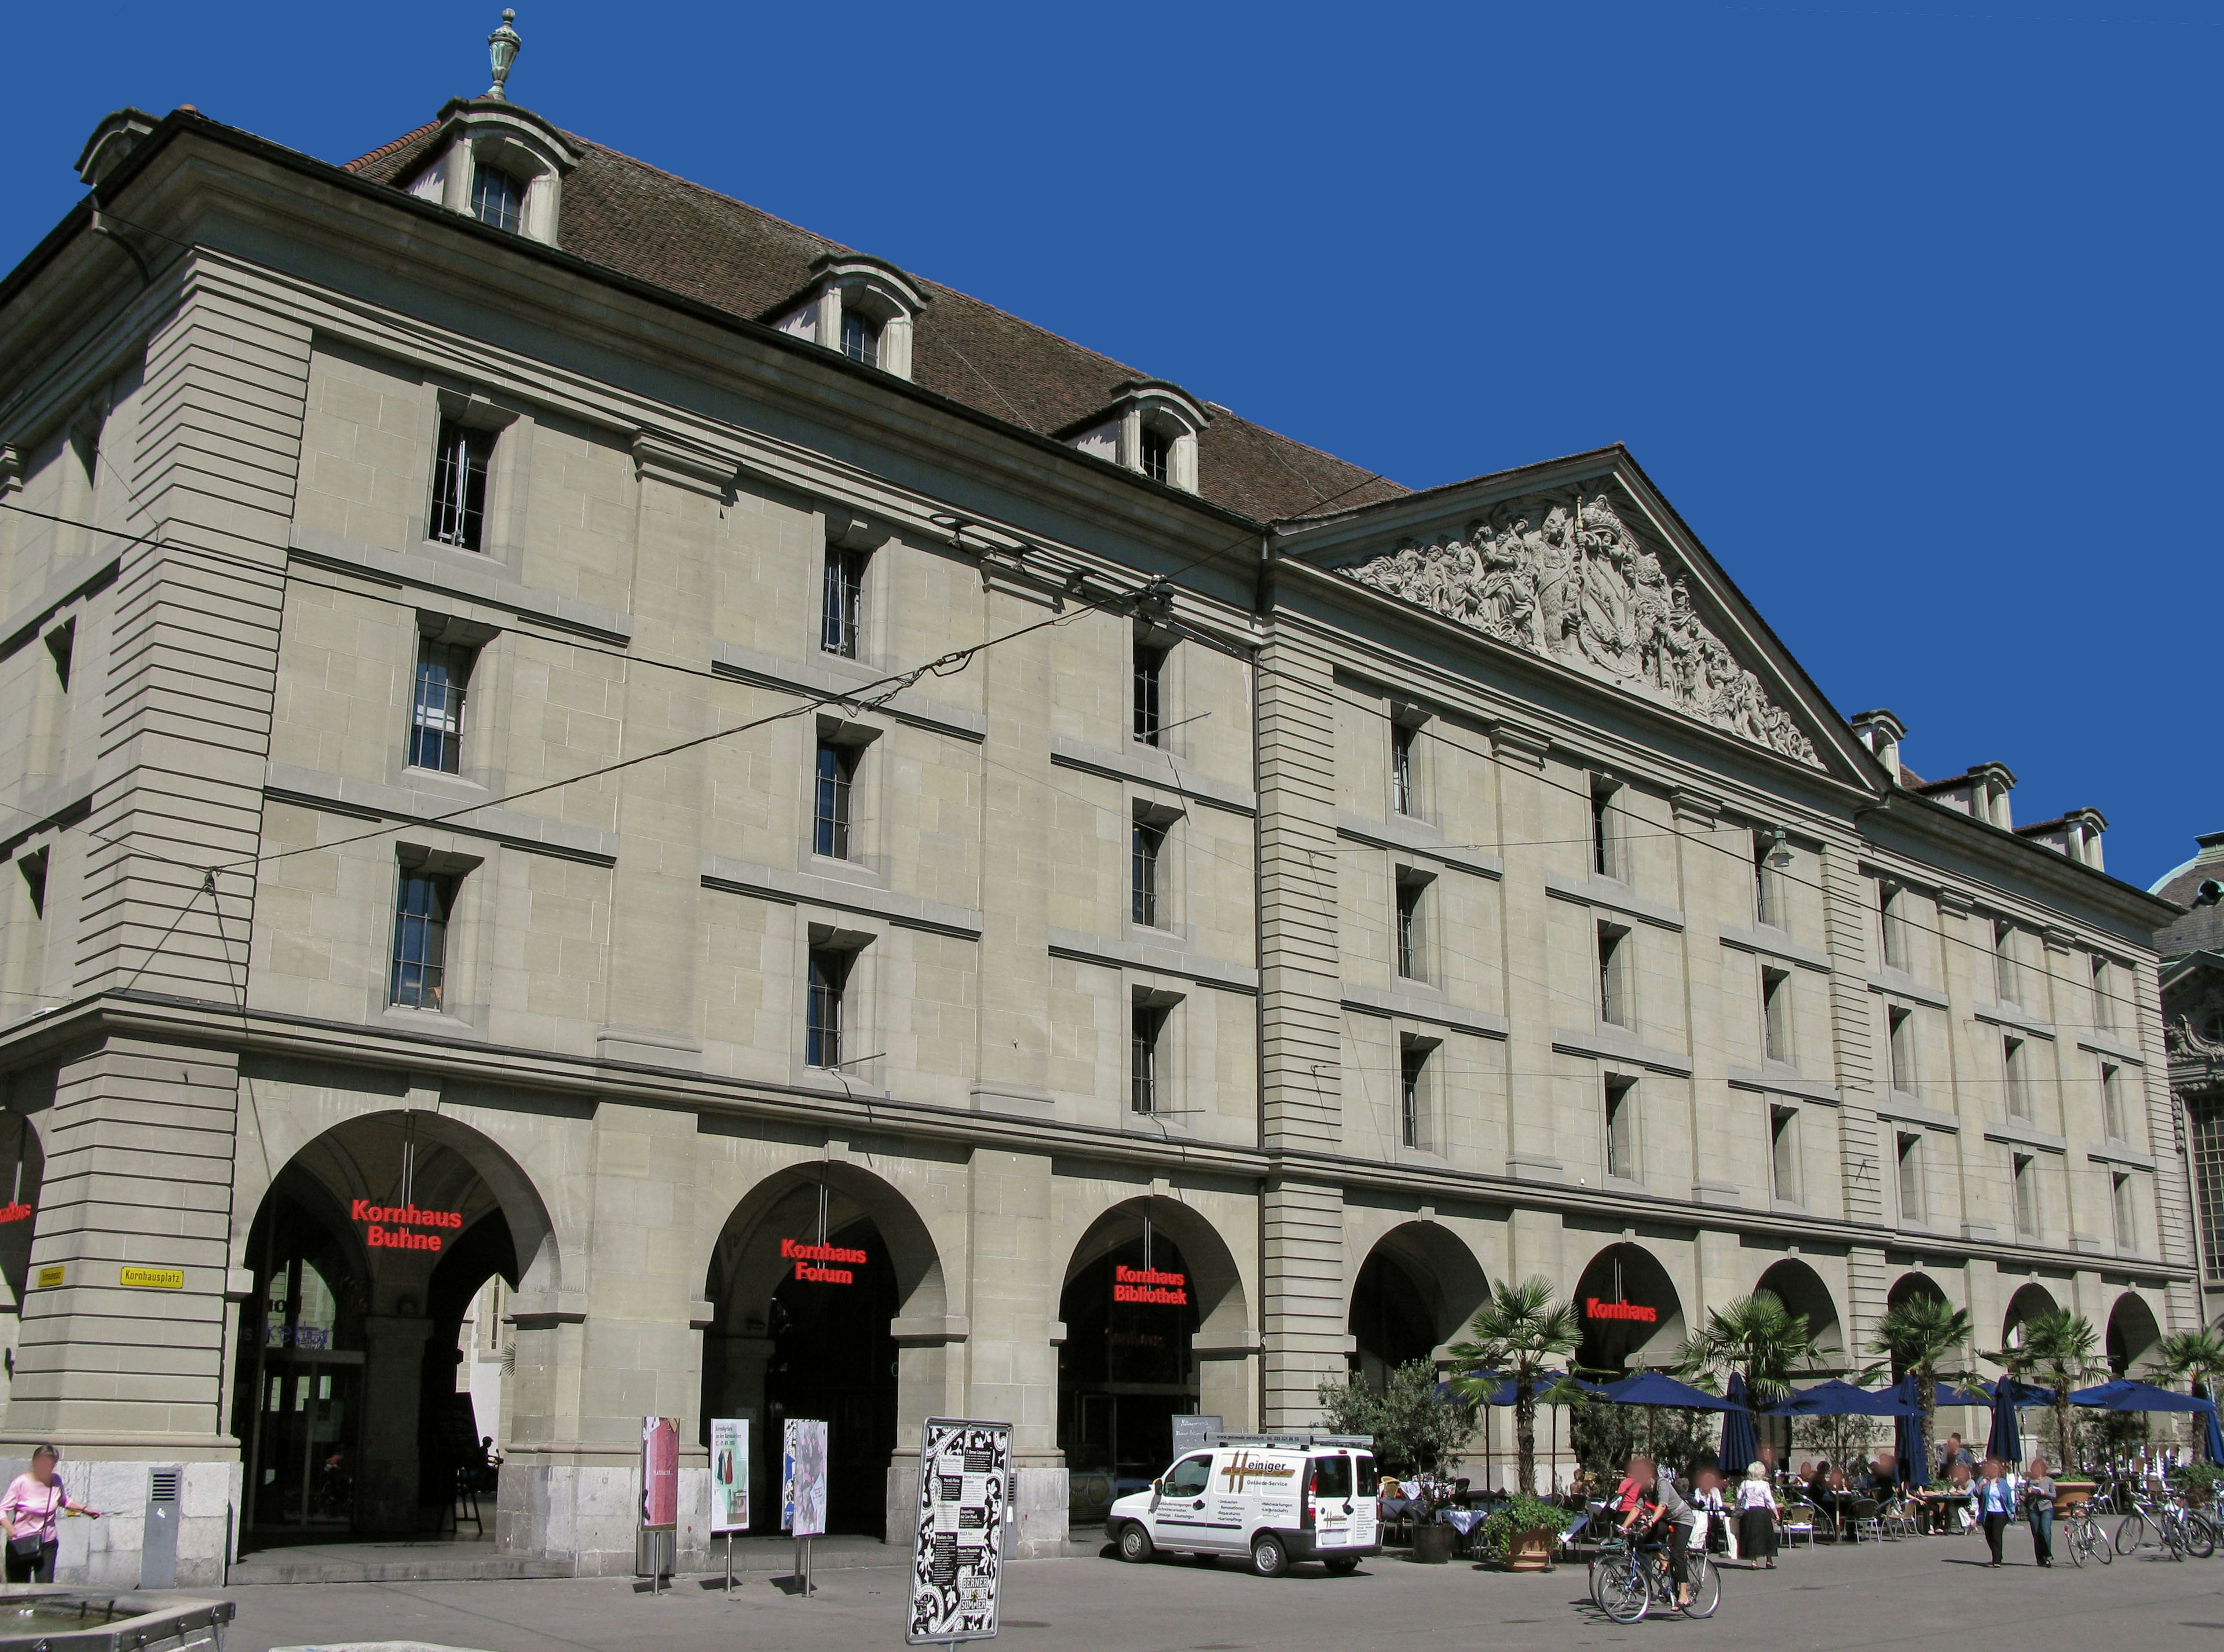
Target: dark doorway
{"x": 1126, "y": 1369}
{"x": 833, "y": 1358}
{"x": 1393, "y": 1318}
{"x": 1630, "y": 1311}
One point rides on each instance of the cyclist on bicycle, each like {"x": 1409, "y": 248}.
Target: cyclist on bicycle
{"x": 1659, "y": 1502}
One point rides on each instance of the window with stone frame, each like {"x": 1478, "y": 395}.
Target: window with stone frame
{"x": 1784, "y": 1152}
{"x": 2006, "y": 981}
{"x": 1892, "y": 903}
{"x": 1403, "y": 800}
{"x": 1776, "y": 1015}
{"x": 1147, "y": 1029}
{"x": 2204, "y": 1144}
{"x": 1413, "y": 1100}
{"x": 1899, "y": 1048}
{"x": 861, "y": 337}
{"x": 1608, "y": 850}
{"x": 436, "y": 705}
{"x": 1912, "y": 1210}
{"x": 1412, "y": 938}
{"x": 2104, "y": 994}
{"x": 2015, "y": 1068}
{"x": 826, "y": 1006}
{"x": 834, "y": 781}
{"x": 459, "y": 486}
{"x": 1146, "y": 847}
{"x": 1621, "y": 1129}
{"x": 2112, "y": 1102}
{"x": 498, "y": 197}
{"x": 2125, "y": 1201}
{"x": 2025, "y": 1174}
{"x": 1616, "y": 1005}
{"x": 842, "y": 602}
{"x": 1150, "y": 676}
{"x": 424, "y": 903}
{"x": 1157, "y": 453}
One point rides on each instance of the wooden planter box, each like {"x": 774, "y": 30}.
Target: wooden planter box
{"x": 1432, "y": 1544}
{"x": 1531, "y": 1551}
{"x": 2072, "y": 1494}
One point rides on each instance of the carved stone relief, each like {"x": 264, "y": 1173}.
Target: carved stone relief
{"x": 1562, "y": 576}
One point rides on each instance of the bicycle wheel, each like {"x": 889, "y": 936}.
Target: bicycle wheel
{"x": 1623, "y": 1592}
{"x": 2133, "y": 1532}
{"x": 2200, "y": 1536}
{"x": 1706, "y": 1588}
{"x": 2101, "y": 1546}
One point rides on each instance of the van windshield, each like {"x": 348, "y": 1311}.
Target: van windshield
{"x": 1332, "y": 1477}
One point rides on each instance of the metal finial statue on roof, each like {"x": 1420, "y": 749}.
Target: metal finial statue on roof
{"x": 502, "y": 47}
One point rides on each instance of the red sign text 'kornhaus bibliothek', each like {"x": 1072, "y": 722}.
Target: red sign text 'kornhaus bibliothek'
{"x": 1149, "y": 1285}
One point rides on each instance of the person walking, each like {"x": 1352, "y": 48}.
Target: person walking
{"x": 34, "y": 1503}
{"x": 1995, "y": 1506}
{"x": 1756, "y": 1502}
{"x": 2038, "y": 1493}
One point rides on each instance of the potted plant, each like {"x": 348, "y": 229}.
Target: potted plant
{"x": 1522, "y": 1533}
{"x": 1413, "y": 1424}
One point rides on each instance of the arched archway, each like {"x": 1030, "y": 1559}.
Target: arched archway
{"x": 2026, "y": 1305}
{"x": 1631, "y": 1313}
{"x": 1908, "y": 1286}
{"x": 2133, "y": 1333}
{"x": 827, "y": 1302}
{"x": 1156, "y": 1327}
{"x": 1416, "y": 1290}
{"x": 365, "y": 1249}
{"x": 1801, "y": 1290}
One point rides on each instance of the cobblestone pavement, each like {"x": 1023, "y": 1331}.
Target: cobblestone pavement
{"x": 1933, "y": 1593}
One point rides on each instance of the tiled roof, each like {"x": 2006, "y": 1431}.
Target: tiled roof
{"x": 648, "y": 225}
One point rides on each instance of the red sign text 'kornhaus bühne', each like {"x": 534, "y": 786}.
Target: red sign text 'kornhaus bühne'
{"x": 386, "y": 1227}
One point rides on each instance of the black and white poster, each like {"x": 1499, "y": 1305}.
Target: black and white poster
{"x": 957, "y": 1565}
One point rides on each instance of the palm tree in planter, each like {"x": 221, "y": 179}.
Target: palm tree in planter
{"x": 1521, "y": 1330}
{"x": 1755, "y": 1334}
{"x": 1916, "y": 1335}
{"x": 2060, "y": 1350}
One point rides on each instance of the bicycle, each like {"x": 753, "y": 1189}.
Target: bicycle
{"x": 1628, "y": 1581}
{"x": 2169, "y": 1525}
{"x": 2082, "y": 1534}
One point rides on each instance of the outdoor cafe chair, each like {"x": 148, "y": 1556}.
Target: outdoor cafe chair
{"x": 1867, "y": 1520}
{"x": 1799, "y": 1522}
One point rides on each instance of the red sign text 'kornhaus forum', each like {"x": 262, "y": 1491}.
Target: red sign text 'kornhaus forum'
{"x": 386, "y": 1227}
{"x": 14, "y": 1211}
{"x": 809, "y": 1261}
{"x": 1637, "y": 1311}
{"x": 1149, "y": 1285}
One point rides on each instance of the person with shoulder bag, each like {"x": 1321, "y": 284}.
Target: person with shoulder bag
{"x": 2038, "y": 1494}
{"x": 1756, "y": 1501}
{"x": 29, "y": 1516}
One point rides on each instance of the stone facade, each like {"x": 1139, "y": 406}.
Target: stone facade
{"x": 2192, "y": 948}
{"x": 1539, "y": 926}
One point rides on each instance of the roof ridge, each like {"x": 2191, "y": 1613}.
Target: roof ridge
{"x": 385, "y": 149}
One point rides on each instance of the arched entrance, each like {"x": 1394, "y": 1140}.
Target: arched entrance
{"x": 2026, "y": 1305}
{"x": 812, "y": 1278}
{"x": 1631, "y": 1313}
{"x": 1147, "y": 1279}
{"x": 1801, "y": 1290}
{"x": 2133, "y": 1333}
{"x": 1417, "y": 1290}
{"x": 366, "y": 1250}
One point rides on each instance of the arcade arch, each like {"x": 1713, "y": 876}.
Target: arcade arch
{"x": 1801, "y": 1290}
{"x": 1908, "y": 1286}
{"x": 818, "y": 1283}
{"x": 2026, "y": 1305}
{"x": 1152, "y": 1301}
{"x": 1417, "y": 1290}
{"x": 1631, "y": 1313}
{"x": 365, "y": 1251}
{"x": 2133, "y": 1333}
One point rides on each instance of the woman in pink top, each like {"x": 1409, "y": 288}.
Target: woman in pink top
{"x": 30, "y": 1514}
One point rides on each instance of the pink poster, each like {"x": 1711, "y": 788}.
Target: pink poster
{"x": 660, "y": 1474}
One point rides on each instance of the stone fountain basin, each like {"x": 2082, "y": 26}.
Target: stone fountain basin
{"x": 47, "y": 1618}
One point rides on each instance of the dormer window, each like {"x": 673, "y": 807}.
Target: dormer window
{"x": 1151, "y": 428}
{"x": 861, "y": 338}
{"x": 497, "y": 199}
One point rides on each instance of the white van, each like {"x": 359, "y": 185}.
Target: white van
{"x": 1276, "y": 1498}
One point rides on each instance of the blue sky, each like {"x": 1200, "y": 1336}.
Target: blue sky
{"x": 1902, "y": 306}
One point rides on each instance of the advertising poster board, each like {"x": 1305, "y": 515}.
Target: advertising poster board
{"x": 729, "y": 1475}
{"x": 660, "y": 1474}
{"x": 803, "y": 1477}
{"x": 1194, "y": 1432}
{"x": 956, "y": 1563}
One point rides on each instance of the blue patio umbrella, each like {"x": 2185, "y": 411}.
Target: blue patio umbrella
{"x": 2212, "y": 1439}
{"x": 2004, "y": 1443}
{"x": 1741, "y": 1445}
{"x": 1838, "y": 1398}
{"x": 2127, "y": 1394}
{"x": 1907, "y": 1437}
{"x": 1653, "y": 1388}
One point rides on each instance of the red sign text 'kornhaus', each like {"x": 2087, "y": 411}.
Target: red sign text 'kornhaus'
{"x": 1637, "y": 1311}
{"x": 1149, "y": 1285}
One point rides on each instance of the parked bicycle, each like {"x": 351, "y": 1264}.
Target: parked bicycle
{"x": 2081, "y": 1532}
{"x": 2169, "y": 1525}
{"x": 1627, "y": 1580}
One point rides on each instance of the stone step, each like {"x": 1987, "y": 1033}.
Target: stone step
{"x": 401, "y": 1563}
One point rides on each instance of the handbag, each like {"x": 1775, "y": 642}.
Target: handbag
{"x": 25, "y": 1547}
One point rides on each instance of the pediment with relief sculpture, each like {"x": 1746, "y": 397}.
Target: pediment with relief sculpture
{"x": 1563, "y": 575}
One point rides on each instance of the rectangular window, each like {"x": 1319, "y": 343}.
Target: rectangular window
{"x": 2003, "y": 962}
{"x": 34, "y": 869}
{"x": 1412, "y": 1061}
{"x": 2112, "y": 1102}
{"x": 1147, "y": 1027}
{"x": 2204, "y": 1142}
{"x": 2026, "y": 1196}
{"x": 1147, "y": 844}
{"x": 1605, "y": 846}
{"x": 1614, "y": 943}
{"x": 1402, "y": 767}
{"x": 1900, "y": 1043}
{"x": 61, "y": 644}
{"x": 1410, "y": 890}
{"x": 1784, "y": 1152}
{"x": 436, "y": 706}
{"x": 2104, "y": 994}
{"x": 1776, "y": 1014}
{"x": 1765, "y": 895}
{"x": 837, "y": 774}
{"x": 1891, "y": 902}
{"x": 1621, "y": 1129}
{"x": 459, "y": 486}
{"x": 1912, "y": 1210}
{"x": 1150, "y": 691}
{"x": 422, "y": 904}
{"x": 861, "y": 338}
{"x": 823, "y": 1015}
{"x": 841, "y": 601}
{"x": 1158, "y": 454}
{"x": 498, "y": 197}
{"x": 2127, "y": 1216}
{"x": 2016, "y": 1071}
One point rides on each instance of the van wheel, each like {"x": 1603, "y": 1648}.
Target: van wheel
{"x": 1135, "y": 1543}
{"x": 1269, "y": 1558}
{"x": 1344, "y": 1566}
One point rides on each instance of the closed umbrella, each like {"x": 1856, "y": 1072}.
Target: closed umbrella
{"x": 2212, "y": 1439}
{"x": 1907, "y": 1438}
{"x": 1741, "y": 1445}
{"x": 2004, "y": 1443}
